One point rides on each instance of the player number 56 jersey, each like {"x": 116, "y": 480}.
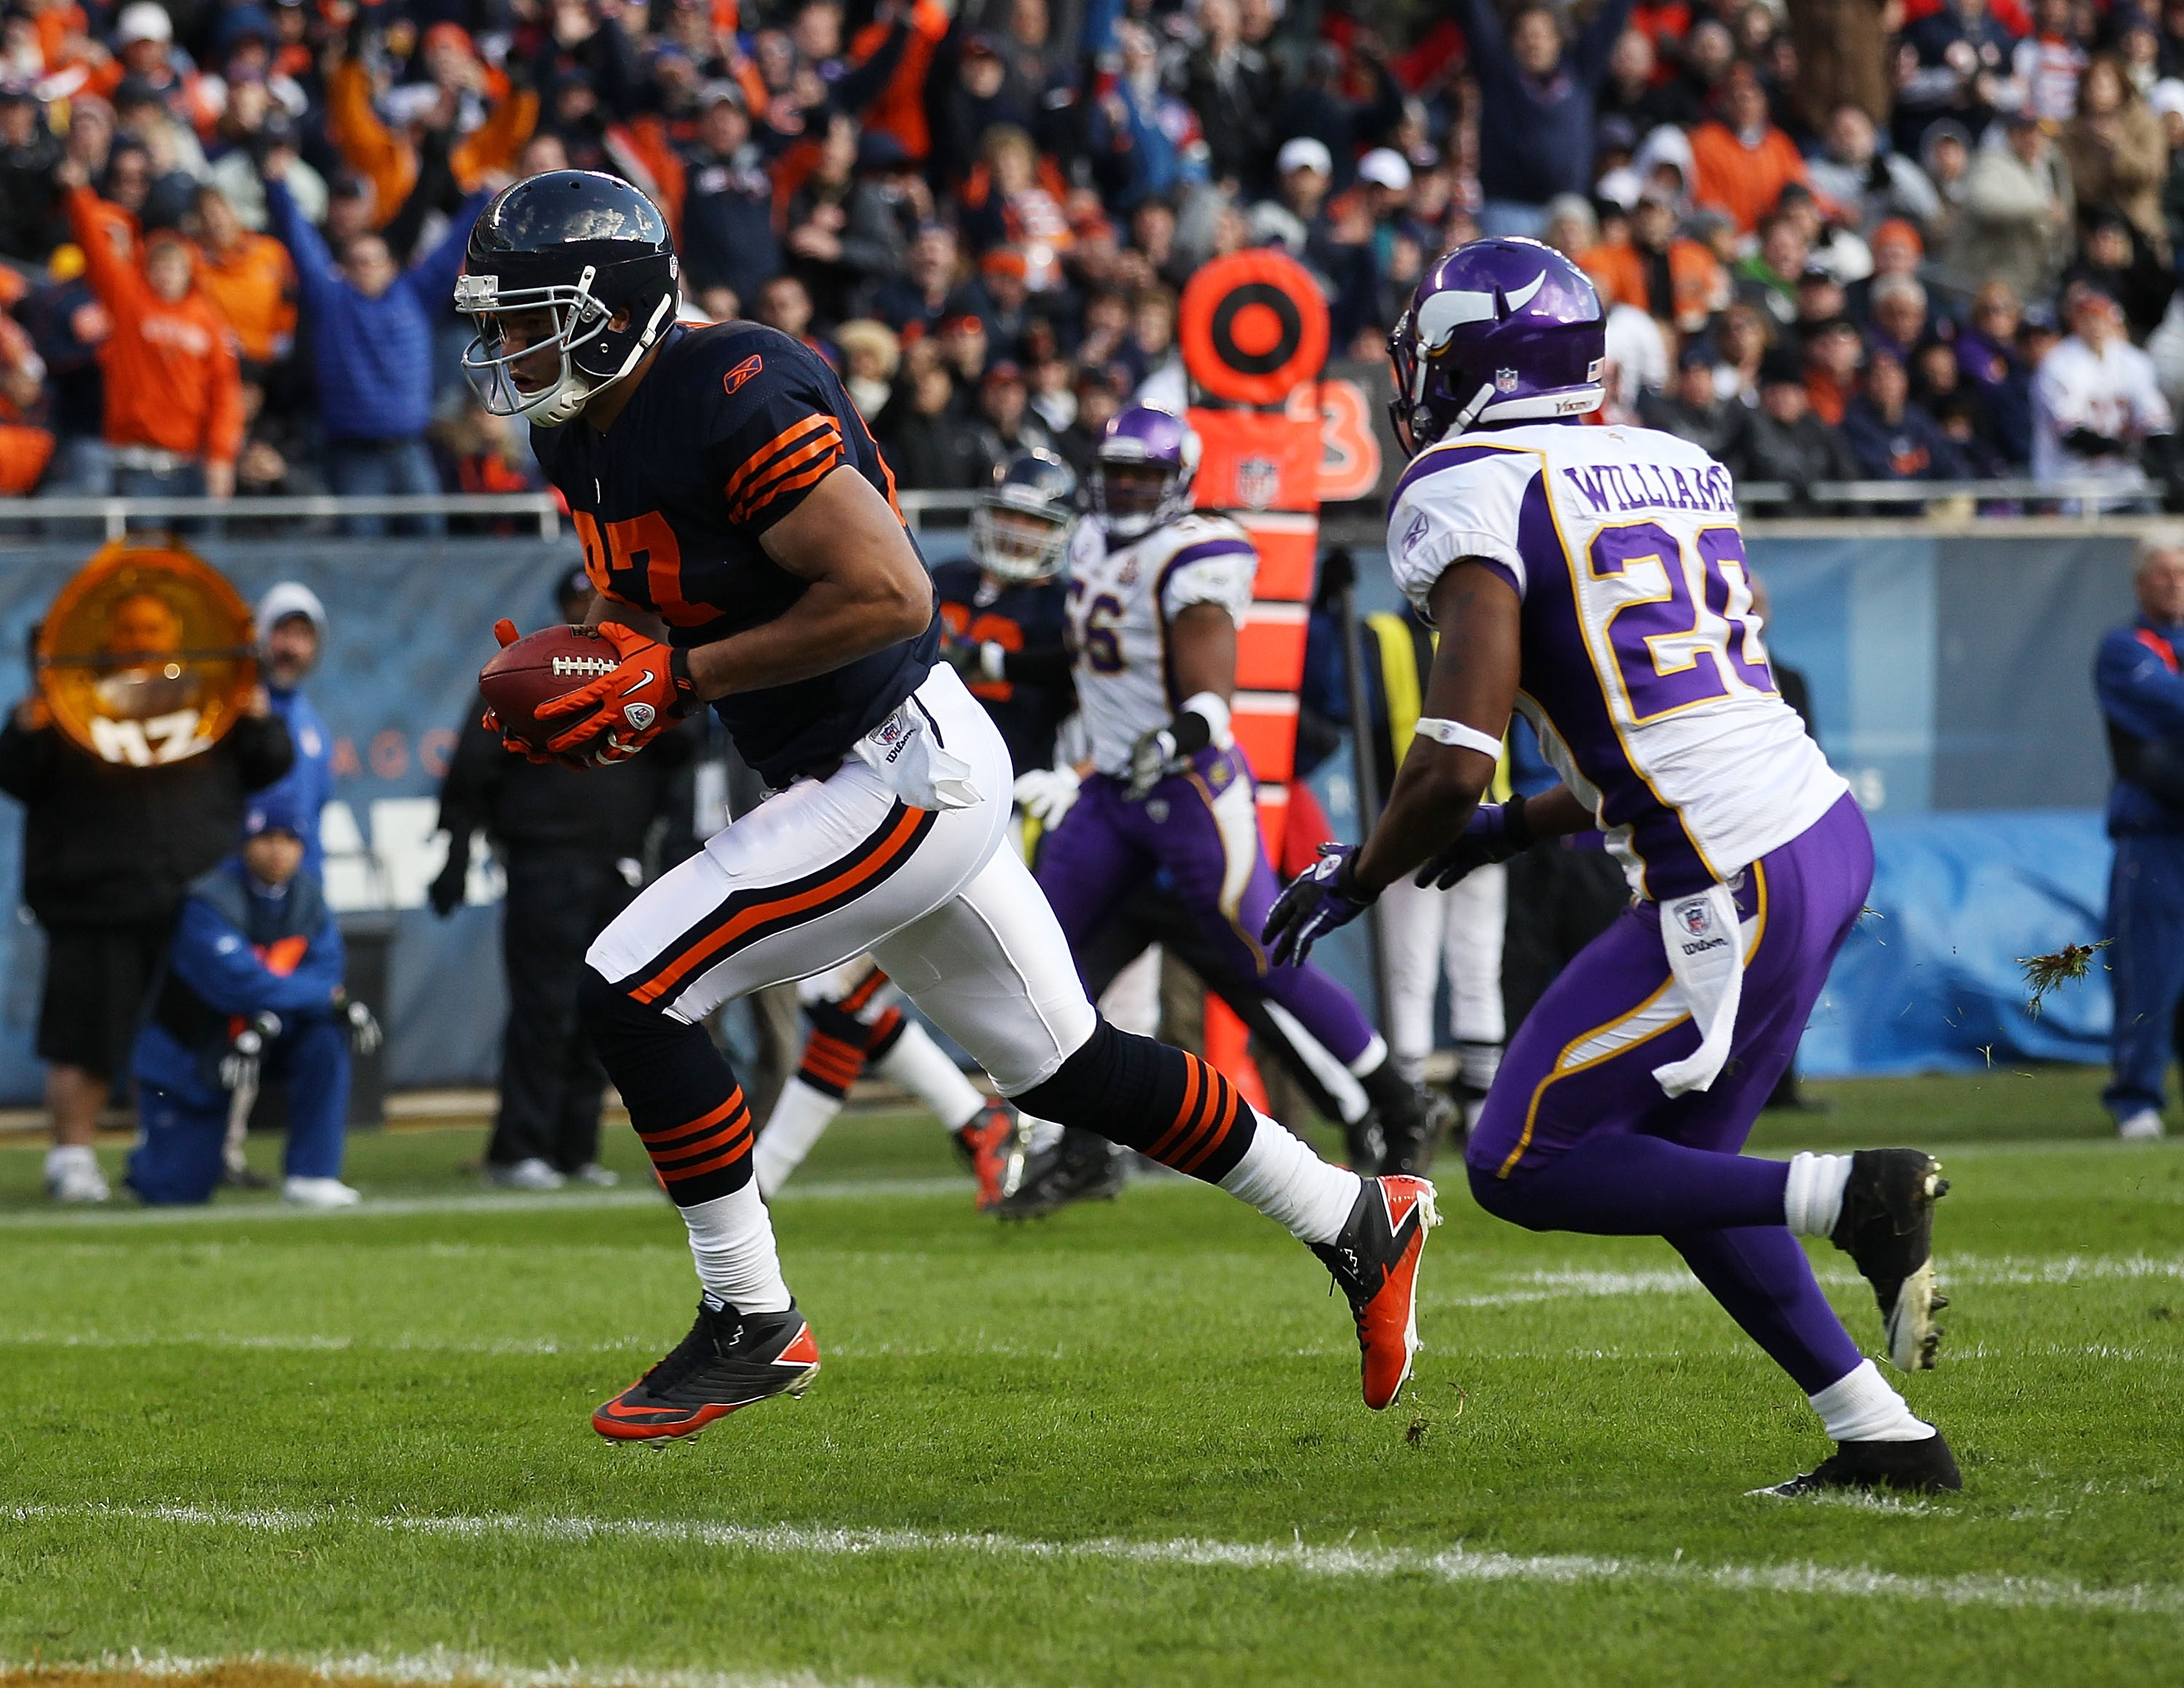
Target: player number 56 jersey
{"x": 1121, "y": 602}
{"x": 1642, "y": 666}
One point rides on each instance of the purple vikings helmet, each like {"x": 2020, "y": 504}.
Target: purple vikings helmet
{"x": 1142, "y": 479}
{"x": 1499, "y": 331}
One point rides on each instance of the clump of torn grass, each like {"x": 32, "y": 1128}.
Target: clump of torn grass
{"x": 2046, "y": 973}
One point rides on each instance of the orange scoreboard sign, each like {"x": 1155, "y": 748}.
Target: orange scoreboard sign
{"x": 1254, "y": 332}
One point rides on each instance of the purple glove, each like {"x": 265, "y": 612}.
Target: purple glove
{"x": 1494, "y": 833}
{"x": 1316, "y": 902}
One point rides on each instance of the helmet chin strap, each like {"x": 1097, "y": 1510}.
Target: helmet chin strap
{"x": 1469, "y": 413}
{"x": 578, "y": 390}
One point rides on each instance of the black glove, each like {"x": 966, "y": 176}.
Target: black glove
{"x": 2087, "y": 443}
{"x": 967, "y": 656}
{"x": 364, "y": 1032}
{"x": 246, "y": 1052}
{"x": 447, "y": 892}
{"x": 1494, "y": 833}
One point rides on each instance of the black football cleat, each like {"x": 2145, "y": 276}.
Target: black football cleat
{"x": 992, "y": 1144}
{"x": 730, "y": 1360}
{"x": 1925, "y": 1468}
{"x": 1082, "y": 1166}
{"x": 1375, "y": 1263}
{"x": 1411, "y": 1132}
{"x": 1886, "y": 1226}
{"x": 1363, "y": 1145}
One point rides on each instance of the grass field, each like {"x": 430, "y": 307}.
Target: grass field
{"x": 1121, "y": 1447}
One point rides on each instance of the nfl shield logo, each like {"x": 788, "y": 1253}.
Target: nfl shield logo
{"x": 1258, "y": 482}
{"x": 1505, "y": 380}
{"x": 1694, "y": 917}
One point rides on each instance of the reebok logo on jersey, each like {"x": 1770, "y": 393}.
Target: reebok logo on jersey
{"x": 742, "y": 372}
{"x": 1414, "y": 533}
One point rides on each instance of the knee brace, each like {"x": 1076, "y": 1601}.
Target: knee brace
{"x": 683, "y": 1099}
{"x": 1163, "y": 1103}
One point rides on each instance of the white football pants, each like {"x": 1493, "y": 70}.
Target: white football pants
{"x": 1423, "y": 931}
{"x": 832, "y": 868}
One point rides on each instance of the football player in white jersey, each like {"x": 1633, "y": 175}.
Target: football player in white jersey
{"x": 1593, "y": 579}
{"x": 1156, "y": 592}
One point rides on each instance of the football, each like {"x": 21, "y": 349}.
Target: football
{"x": 541, "y": 666}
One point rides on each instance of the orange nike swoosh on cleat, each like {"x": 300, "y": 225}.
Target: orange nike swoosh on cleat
{"x": 636, "y": 1415}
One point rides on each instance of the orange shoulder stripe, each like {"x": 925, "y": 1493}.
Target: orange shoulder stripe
{"x": 787, "y": 439}
{"x": 763, "y": 488}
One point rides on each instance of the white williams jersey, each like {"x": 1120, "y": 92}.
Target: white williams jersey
{"x": 1642, "y": 667}
{"x": 1121, "y": 601}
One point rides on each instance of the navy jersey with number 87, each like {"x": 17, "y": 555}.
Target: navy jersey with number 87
{"x": 730, "y": 430}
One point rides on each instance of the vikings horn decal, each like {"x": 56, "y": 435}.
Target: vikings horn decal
{"x": 1444, "y": 313}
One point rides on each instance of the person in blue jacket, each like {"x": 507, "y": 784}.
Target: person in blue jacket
{"x": 371, "y": 324}
{"x": 2139, "y": 676}
{"x": 251, "y": 986}
{"x": 291, "y": 632}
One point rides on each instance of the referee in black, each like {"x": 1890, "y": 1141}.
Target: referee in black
{"x": 572, "y": 843}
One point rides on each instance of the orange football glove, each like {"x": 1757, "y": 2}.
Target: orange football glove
{"x": 504, "y": 631}
{"x": 648, "y": 691}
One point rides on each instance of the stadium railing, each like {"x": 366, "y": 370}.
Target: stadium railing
{"x": 115, "y": 515}
{"x": 1835, "y": 501}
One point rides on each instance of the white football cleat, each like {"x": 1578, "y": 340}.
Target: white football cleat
{"x": 319, "y": 1192}
{"x": 531, "y": 1174}
{"x": 599, "y": 1177}
{"x": 72, "y": 1175}
{"x": 2143, "y": 1127}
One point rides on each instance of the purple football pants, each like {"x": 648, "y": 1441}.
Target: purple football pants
{"x": 1576, "y": 1134}
{"x": 1200, "y": 830}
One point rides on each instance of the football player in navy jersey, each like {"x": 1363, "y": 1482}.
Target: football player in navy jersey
{"x": 1005, "y": 611}
{"x": 739, "y": 526}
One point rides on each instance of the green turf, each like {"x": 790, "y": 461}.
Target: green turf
{"x": 1167, "y": 1367}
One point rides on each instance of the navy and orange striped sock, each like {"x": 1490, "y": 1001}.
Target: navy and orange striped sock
{"x": 1146, "y": 1096}
{"x": 682, "y": 1097}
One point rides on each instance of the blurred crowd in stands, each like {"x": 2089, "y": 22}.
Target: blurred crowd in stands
{"x": 1921, "y": 240}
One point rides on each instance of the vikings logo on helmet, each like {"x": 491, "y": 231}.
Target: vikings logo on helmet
{"x": 1499, "y": 330}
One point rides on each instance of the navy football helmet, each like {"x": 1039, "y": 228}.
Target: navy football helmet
{"x": 1020, "y": 527}
{"x": 1499, "y": 331}
{"x": 585, "y": 249}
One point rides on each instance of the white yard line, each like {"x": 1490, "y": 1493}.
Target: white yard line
{"x": 440, "y": 1666}
{"x": 1450, "y": 1565}
{"x": 482, "y": 1201}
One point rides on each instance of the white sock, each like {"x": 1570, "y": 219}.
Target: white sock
{"x": 1860, "y": 1406}
{"x": 1812, "y": 1201}
{"x": 916, "y": 1064}
{"x": 1045, "y": 1133}
{"x": 1282, "y": 1177}
{"x": 1478, "y": 1063}
{"x": 1370, "y": 1057}
{"x": 799, "y": 1119}
{"x": 63, "y": 1155}
{"x": 731, "y": 1241}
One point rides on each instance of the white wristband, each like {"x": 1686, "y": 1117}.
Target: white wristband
{"x": 1213, "y": 708}
{"x": 993, "y": 660}
{"x": 1456, "y": 733}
